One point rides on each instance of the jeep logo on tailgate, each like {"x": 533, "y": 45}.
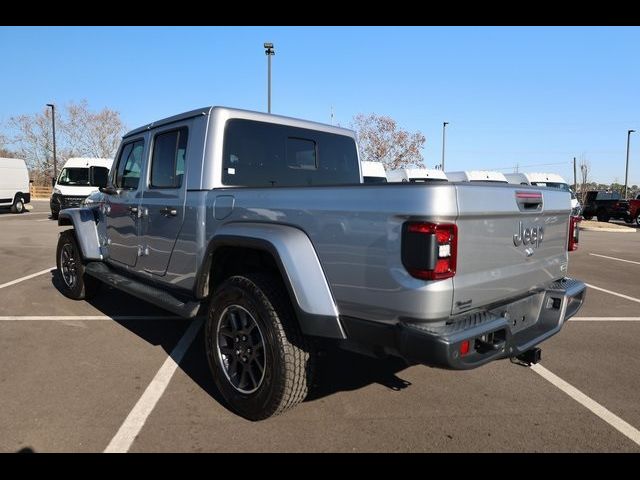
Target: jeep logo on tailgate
{"x": 528, "y": 236}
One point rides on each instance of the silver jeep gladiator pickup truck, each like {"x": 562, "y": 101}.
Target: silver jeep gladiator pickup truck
{"x": 261, "y": 224}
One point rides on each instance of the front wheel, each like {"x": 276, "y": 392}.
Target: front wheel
{"x": 257, "y": 354}
{"x": 77, "y": 285}
{"x": 638, "y": 219}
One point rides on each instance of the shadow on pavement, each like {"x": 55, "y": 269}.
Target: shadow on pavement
{"x": 338, "y": 370}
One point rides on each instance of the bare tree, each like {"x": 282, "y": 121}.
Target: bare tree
{"x": 382, "y": 140}
{"x": 34, "y": 141}
{"x": 585, "y": 170}
{"x": 92, "y": 134}
{"x": 80, "y": 132}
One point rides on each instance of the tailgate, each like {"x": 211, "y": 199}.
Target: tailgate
{"x": 511, "y": 239}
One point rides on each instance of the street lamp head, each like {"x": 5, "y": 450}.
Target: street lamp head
{"x": 50, "y": 105}
{"x": 445, "y": 123}
{"x": 630, "y": 131}
{"x": 269, "y": 48}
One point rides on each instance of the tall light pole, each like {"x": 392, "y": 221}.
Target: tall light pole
{"x": 444, "y": 128}
{"x": 53, "y": 124}
{"x": 269, "y": 52}
{"x": 626, "y": 170}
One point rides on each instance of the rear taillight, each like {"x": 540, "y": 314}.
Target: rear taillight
{"x": 574, "y": 233}
{"x": 429, "y": 250}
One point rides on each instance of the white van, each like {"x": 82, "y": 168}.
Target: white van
{"x": 14, "y": 184}
{"x": 551, "y": 180}
{"x": 416, "y": 175}
{"x": 373, "y": 172}
{"x": 477, "y": 176}
{"x": 76, "y": 181}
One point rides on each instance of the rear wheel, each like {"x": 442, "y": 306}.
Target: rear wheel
{"x": 603, "y": 216}
{"x": 260, "y": 361}
{"x": 638, "y": 219}
{"x": 77, "y": 285}
{"x": 587, "y": 217}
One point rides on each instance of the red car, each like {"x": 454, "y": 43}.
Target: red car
{"x": 633, "y": 211}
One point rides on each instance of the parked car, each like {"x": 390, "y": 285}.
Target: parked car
{"x": 76, "y": 181}
{"x": 222, "y": 212}
{"x": 14, "y": 184}
{"x": 604, "y": 205}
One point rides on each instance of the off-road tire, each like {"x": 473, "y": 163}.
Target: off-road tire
{"x": 84, "y": 287}
{"x": 289, "y": 362}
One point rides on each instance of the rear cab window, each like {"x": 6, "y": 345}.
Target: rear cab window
{"x": 261, "y": 154}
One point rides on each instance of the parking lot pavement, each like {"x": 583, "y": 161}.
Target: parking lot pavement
{"x": 70, "y": 381}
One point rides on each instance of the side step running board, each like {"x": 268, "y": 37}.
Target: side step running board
{"x": 151, "y": 294}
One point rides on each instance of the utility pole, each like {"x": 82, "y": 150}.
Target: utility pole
{"x": 53, "y": 124}
{"x": 626, "y": 170}
{"x": 269, "y": 52}
{"x": 444, "y": 125}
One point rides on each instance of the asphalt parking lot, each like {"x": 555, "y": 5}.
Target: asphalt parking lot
{"x": 118, "y": 374}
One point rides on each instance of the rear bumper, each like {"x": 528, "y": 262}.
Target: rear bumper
{"x": 504, "y": 331}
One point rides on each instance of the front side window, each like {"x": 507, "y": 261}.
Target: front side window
{"x": 130, "y": 166}
{"x": 167, "y": 165}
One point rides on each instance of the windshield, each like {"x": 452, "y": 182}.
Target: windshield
{"x": 561, "y": 186}
{"x": 74, "y": 176}
{"x": 375, "y": 179}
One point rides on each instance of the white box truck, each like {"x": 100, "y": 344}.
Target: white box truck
{"x": 14, "y": 184}
{"x": 416, "y": 175}
{"x": 373, "y": 172}
{"x": 477, "y": 176}
{"x": 76, "y": 181}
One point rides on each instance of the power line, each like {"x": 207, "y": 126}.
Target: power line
{"x": 532, "y": 165}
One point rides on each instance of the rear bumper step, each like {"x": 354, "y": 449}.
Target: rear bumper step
{"x": 143, "y": 291}
{"x": 473, "y": 340}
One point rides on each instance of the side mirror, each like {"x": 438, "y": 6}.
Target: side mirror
{"x": 99, "y": 176}
{"x": 53, "y": 181}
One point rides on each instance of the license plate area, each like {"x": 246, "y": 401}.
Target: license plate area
{"x": 522, "y": 313}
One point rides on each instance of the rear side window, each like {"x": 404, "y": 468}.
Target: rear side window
{"x": 129, "y": 166}
{"x": 260, "y": 154}
{"x": 167, "y": 164}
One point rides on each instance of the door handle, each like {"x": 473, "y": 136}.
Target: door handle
{"x": 168, "y": 211}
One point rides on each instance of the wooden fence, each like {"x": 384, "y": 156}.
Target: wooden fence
{"x": 40, "y": 192}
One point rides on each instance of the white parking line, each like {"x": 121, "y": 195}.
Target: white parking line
{"x": 129, "y": 430}
{"x": 14, "y": 216}
{"x": 613, "y": 293}
{"x": 605, "y": 319}
{"x": 20, "y": 318}
{"x": 614, "y": 258}
{"x": 616, "y": 422}
{"x": 22, "y": 279}
{"x": 44, "y": 220}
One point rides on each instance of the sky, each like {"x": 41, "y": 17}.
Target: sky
{"x": 532, "y": 97}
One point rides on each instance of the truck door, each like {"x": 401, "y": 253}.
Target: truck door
{"x": 122, "y": 206}
{"x": 164, "y": 196}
